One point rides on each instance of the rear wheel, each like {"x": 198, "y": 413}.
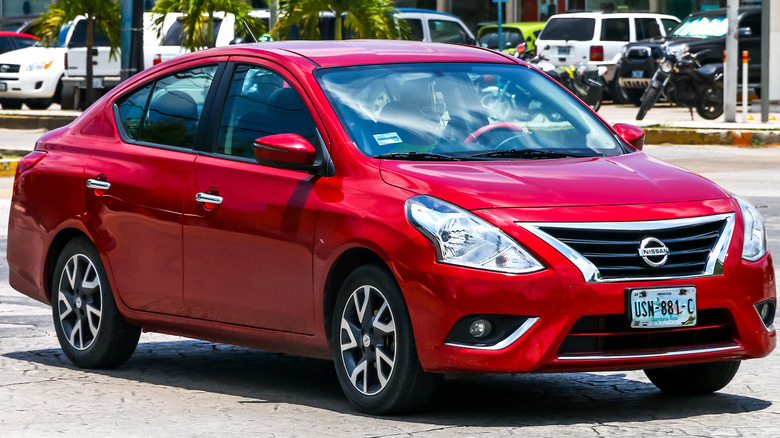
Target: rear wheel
{"x": 710, "y": 103}
{"x": 699, "y": 378}
{"x": 38, "y": 104}
{"x": 90, "y": 329}
{"x": 373, "y": 345}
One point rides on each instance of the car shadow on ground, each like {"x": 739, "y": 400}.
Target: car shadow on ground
{"x": 257, "y": 376}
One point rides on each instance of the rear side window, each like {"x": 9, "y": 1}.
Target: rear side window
{"x": 615, "y": 29}
{"x": 415, "y": 29}
{"x": 447, "y": 32}
{"x": 170, "y": 116}
{"x": 647, "y": 28}
{"x": 175, "y": 35}
{"x": 569, "y": 29}
{"x": 669, "y": 25}
{"x": 79, "y": 37}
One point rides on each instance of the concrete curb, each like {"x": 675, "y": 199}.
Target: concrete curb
{"x": 49, "y": 122}
{"x": 727, "y": 137}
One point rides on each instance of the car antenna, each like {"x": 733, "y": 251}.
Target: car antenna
{"x": 254, "y": 40}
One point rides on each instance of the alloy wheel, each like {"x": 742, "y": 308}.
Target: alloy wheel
{"x": 80, "y": 302}
{"x": 368, "y": 340}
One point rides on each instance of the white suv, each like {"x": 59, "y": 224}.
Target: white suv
{"x": 598, "y": 37}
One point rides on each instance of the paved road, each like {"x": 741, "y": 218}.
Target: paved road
{"x": 178, "y": 387}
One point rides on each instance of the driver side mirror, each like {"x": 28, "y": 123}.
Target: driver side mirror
{"x": 744, "y": 32}
{"x": 285, "y": 151}
{"x": 633, "y": 135}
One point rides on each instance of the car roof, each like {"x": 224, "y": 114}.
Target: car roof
{"x": 612, "y": 14}
{"x": 361, "y": 52}
{"x": 18, "y": 34}
{"x": 721, "y": 12}
{"x": 424, "y": 11}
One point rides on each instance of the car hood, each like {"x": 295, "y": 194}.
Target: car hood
{"x": 30, "y": 55}
{"x": 628, "y": 179}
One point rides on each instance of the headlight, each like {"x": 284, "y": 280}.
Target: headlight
{"x": 754, "y": 246}
{"x": 677, "y": 51}
{"x": 36, "y": 66}
{"x": 463, "y": 239}
{"x": 667, "y": 66}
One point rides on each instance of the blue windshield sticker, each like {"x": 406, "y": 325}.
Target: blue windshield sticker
{"x": 389, "y": 138}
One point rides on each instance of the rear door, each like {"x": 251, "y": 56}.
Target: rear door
{"x": 248, "y": 258}
{"x": 135, "y": 186}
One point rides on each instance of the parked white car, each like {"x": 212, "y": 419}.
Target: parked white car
{"x": 598, "y": 37}
{"x": 31, "y": 76}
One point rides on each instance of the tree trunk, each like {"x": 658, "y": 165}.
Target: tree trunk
{"x": 90, "y": 98}
{"x": 210, "y": 31}
{"x": 337, "y": 24}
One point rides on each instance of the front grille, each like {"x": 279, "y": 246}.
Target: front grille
{"x": 634, "y": 82}
{"x": 9, "y": 68}
{"x": 610, "y": 251}
{"x": 612, "y": 335}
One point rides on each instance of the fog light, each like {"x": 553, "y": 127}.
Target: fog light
{"x": 766, "y": 311}
{"x": 480, "y": 328}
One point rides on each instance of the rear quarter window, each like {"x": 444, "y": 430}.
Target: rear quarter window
{"x": 615, "y": 29}
{"x": 569, "y": 29}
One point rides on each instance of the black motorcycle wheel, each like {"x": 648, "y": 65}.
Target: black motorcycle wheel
{"x": 648, "y": 100}
{"x": 710, "y": 104}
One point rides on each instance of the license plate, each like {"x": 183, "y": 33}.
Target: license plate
{"x": 667, "y": 307}
{"x": 638, "y": 74}
{"x": 97, "y": 82}
{"x": 564, "y": 51}
{"x": 3, "y": 86}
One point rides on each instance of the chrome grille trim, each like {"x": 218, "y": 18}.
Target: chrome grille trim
{"x": 649, "y": 355}
{"x": 591, "y": 273}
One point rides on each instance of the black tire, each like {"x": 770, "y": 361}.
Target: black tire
{"x": 372, "y": 332}
{"x": 597, "y": 104}
{"x": 11, "y": 103}
{"x": 90, "y": 329}
{"x": 38, "y": 104}
{"x": 700, "y": 378}
{"x": 649, "y": 98}
{"x": 710, "y": 103}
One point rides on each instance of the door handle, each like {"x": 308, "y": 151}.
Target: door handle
{"x": 208, "y": 200}
{"x": 98, "y": 185}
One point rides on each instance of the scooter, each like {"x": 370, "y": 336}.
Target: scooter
{"x": 685, "y": 82}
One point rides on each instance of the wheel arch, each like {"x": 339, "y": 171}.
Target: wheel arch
{"x": 57, "y": 245}
{"x": 347, "y": 262}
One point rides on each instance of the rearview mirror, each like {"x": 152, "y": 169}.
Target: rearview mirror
{"x": 285, "y": 151}
{"x": 633, "y": 135}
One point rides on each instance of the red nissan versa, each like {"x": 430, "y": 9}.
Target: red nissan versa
{"x": 406, "y": 209}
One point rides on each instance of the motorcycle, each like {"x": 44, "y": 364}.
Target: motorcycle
{"x": 685, "y": 82}
{"x": 586, "y": 81}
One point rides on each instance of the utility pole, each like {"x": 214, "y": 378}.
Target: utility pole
{"x": 132, "y": 41}
{"x": 732, "y": 56}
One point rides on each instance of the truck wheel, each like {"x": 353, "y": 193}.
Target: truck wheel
{"x": 11, "y": 103}
{"x": 68, "y": 97}
{"x": 38, "y": 104}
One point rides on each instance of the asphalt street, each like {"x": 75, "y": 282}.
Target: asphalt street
{"x": 179, "y": 387}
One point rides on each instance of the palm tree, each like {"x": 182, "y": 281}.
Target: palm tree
{"x": 105, "y": 14}
{"x": 198, "y": 19}
{"x": 365, "y": 18}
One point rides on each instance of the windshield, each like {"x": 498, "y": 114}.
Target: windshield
{"x": 511, "y": 38}
{"x": 568, "y": 29}
{"x": 462, "y": 111}
{"x": 702, "y": 27}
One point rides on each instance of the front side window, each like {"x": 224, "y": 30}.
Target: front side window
{"x": 260, "y": 103}
{"x": 170, "y": 116}
{"x": 462, "y": 111}
{"x": 415, "y": 29}
{"x": 447, "y": 32}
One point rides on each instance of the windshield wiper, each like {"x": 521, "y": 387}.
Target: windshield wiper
{"x": 417, "y": 156}
{"x": 529, "y": 154}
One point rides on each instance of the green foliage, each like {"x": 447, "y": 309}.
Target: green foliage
{"x": 198, "y": 19}
{"x": 364, "y": 18}
{"x": 106, "y": 16}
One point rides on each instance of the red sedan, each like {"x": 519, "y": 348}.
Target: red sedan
{"x": 406, "y": 209}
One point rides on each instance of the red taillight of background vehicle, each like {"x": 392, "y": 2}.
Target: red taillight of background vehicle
{"x": 157, "y": 59}
{"x": 596, "y": 53}
{"x": 27, "y": 162}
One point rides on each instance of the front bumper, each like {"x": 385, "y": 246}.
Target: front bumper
{"x": 573, "y": 325}
{"x": 40, "y": 84}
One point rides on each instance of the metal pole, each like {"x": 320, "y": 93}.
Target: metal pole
{"x": 500, "y": 39}
{"x": 765, "y": 10}
{"x": 730, "y": 74}
{"x": 744, "y": 85}
{"x": 126, "y": 36}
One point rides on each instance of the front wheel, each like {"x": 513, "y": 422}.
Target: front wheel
{"x": 649, "y": 98}
{"x": 699, "y": 378}
{"x": 90, "y": 329}
{"x": 710, "y": 104}
{"x": 373, "y": 345}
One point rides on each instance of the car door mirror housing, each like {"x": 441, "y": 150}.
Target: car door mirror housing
{"x": 633, "y": 135}
{"x": 745, "y": 32}
{"x": 285, "y": 151}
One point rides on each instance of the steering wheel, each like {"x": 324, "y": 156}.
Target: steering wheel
{"x": 503, "y": 126}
